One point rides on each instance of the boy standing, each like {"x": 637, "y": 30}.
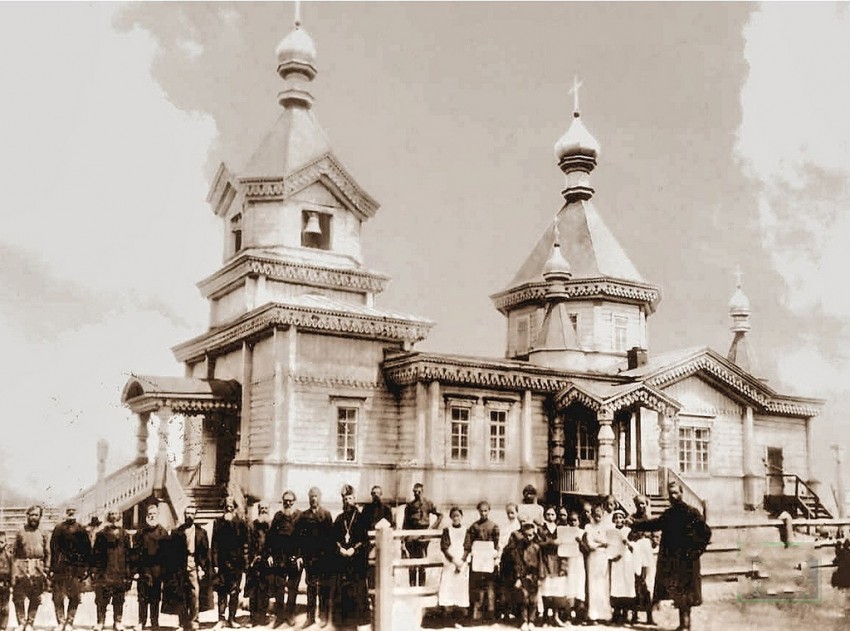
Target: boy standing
{"x": 527, "y": 562}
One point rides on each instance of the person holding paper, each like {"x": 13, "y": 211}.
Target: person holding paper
{"x": 553, "y": 586}
{"x": 576, "y": 575}
{"x": 454, "y": 580}
{"x": 482, "y": 542}
{"x": 598, "y": 573}
{"x": 622, "y": 570}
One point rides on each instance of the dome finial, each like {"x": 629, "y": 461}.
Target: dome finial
{"x": 296, "y": 57}
{"x": 574, "y": 92}
{"x": 556, "y": 269}
{"x": 739, "y": 304}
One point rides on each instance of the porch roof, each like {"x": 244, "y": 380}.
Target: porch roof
{"x": 607, "y": 396}
{"x": 145, "y": 393}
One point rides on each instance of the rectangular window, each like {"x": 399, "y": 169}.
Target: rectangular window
{"x": 585, "y": 442}
{"x": 460, "y": 434}
{"x": 693, "y": 449}
{"x": 621, "y": 324}
{"x": 236, "y": 231}
{"x": 346, "y": 434}
{"x": 498, "y": 434}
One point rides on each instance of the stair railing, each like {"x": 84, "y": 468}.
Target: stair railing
{"x": 121, "y": 489}
{"x": 176, "y": 493}
{"x": 688, "y": 494}
{"x": 802, "y": 492}
{"x": 623, "y": 490}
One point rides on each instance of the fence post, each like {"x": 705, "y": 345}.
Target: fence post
{"x": 384, "y": 556}
{"x": 786, "y": 530}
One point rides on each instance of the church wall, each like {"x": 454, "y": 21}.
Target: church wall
{"x": 723, "y": 495}
{"x": 229, "y": 306}
{"x": 539, "y": 433}
{"x": 787, "y": 433}
{"x": 277, "y": 291}
{"x": 602, "y": 327}
{"x": 262, "y": 399}
{"x": 406, "y": 423}
{"x": 229, "y": 366}
{"x": 706, "y": 406}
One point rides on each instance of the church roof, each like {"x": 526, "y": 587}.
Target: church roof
{"x": 295, "y": 140}
{"x": 586, "y": 242}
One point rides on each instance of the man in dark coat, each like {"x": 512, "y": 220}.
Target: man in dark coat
{"x": 149, "y": 546}
{"x": 684, "y": 537}
{"x": 70, "y": 549}
{"x": 372, "y": 513}
{"x": 314, "y": 530}
{"x": 229, "y": 553}
{"x": 417, "y": 516}
{"x": 257, "y": 580}
{"x": 348, "y": 564}
{"x": 281, "y": 552}
{"x": 190, "y": 554}
{"x": 111, "y": 571}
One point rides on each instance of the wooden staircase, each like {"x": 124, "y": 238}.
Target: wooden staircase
{"x": 207, "y": 500}
{"x": 788, "y": 492}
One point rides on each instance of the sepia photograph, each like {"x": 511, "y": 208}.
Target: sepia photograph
{"x": 424, "y": 315}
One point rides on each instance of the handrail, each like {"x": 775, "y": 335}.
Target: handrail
{"x": 623, "y": 490}
{"x": 176, "y": 493}
{"x": 688, "y": 494}
{"x": 121, "y": 488}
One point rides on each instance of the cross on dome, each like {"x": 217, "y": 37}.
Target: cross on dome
{"x": 574, "y": 91}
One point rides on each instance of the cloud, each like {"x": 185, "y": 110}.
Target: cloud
{"x": 105, "y": 232}
{"x": 794, "y": 142}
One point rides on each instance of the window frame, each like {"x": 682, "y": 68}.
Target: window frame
{"x": 691, "y": 446}
{"x": 619, "y": 324}
{"x": 358, "y": 406}
{"x": 502, "y": 436}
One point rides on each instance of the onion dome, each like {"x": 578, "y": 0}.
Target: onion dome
{"x": 739, "y": 306}
{"x": 556, "y": 267}
{"x": 297, "y": 53}
{"x": 576, "y": 142}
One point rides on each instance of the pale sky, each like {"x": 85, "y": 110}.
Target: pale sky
{"x": 725, "y": 141}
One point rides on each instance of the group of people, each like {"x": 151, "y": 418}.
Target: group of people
{"x": 176, "y": 571}
{"x": 594, "y": 565}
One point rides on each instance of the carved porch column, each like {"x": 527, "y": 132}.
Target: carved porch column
{"x": 142, "y": 437}
{"x": 163, "y": 414}
{"x": 192, "y": 437}
{"x": 665, "y": 443}
{"x": 605, "y": 454}
{"x": 556, "y": 455}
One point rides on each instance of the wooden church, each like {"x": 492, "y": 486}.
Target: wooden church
{"x": 302, "y": 379}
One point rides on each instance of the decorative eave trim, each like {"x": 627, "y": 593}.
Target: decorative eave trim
{"x": 325, "y": 167}
{"x": 756, "y": 393}
{"x": 580, "y": 288}
{"x": 179, "y": 404}
{"x": 411, "y": 369}
{"x": 642, "y": 394}
{"x": 257, "y": 321}
{"x": 290, "y": 272}
{"x": 335, "y": 382}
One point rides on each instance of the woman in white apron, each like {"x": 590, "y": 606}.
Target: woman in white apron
{"x": 454, "y": 580}
{"x": 598, "y": 571}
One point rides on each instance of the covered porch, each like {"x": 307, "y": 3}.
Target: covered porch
{"x": 208, "y": 412}
{"x": 613, "y": 438}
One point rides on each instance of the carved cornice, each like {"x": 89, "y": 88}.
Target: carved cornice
{"x": 326, "y": 166}
{"x": 306, "y": 318}
{"x": 291, "y": 272}
{"x": 181, "y": 405}
{"x": 753, "y": 391}
{"x": 580, "y": 288}
{"x": 642, "y": 395}
{"x": 335, "y": 382}
{"x": 467, "y": 374}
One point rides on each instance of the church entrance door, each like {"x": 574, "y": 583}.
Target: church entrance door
{"x": 207, "y": 474}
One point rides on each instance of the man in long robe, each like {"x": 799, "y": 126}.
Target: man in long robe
{"x": 348, "y": 564}
{"x": 684, "y": 537}
{"x": 70, "y": 549}
{"x": 281, "y": 551}
{"x": 229, "y": 552}
{"x": 111, "y": 573}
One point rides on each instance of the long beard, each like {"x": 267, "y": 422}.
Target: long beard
{"x": 264, "y": 518}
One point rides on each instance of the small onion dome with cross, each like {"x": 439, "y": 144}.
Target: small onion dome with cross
{"x": 297, "y": 53}
{"x": 739, "y": 306}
